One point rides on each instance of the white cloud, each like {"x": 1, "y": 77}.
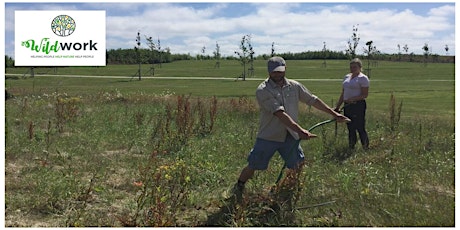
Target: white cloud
{"x": 442, "y": 11}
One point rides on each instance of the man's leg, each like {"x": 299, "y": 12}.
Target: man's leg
{"x": 245, "y": 175}
{"x": 294, "y": 158}
{"x": 258, "y": 159}
{"x": 238, "y": 188}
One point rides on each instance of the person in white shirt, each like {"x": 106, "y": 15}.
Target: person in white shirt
{"x": 355, "y": 89}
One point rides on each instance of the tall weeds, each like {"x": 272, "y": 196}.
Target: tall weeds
{"x": 174, "y": 128}
{"x": 164, "y": 180}
{"x": 395, "y": 113}
{"x": 66, "y": 110}
{"x": 163, "y": 191}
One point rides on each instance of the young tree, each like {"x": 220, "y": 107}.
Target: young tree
{"x": 217, "y": 56}
{"x": 246, "y": 55}
{"x": 152, "y": 47}
{"x": 353, "y": 43}
{"x": 203, "y": 51}
{"x": 370, "y": 51}
{"x": 138, "y": 52}
{"x": 324, "y": 55}
{"x": 406, "y": 48}
{"x": 426, "y": 53}
{"x": 251, "y": 58}
{"x": 160, "y": 52}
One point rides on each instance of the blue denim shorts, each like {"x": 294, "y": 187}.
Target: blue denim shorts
{"x": 263, "y": 151}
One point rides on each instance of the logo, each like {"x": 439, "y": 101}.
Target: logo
{"x": 62, "y": 44}
{"x": 63, "y": 25}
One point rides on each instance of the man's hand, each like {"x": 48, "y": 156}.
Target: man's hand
{"x": 341, "y": 118}
{"x": 305, "y": 135}
{"x": 320, "y": 105}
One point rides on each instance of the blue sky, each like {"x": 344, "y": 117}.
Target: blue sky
{"x": 292, "y": 27}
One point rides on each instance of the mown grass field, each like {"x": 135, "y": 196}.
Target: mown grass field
{"x": 94, "y": 151}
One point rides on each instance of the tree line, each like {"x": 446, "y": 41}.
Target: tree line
{"x": 129, "y": 56}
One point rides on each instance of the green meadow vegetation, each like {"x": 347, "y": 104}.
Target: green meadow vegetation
{"x": 94, "y": 146}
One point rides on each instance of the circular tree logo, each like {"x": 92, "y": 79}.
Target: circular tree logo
{"x": 63, "y": 25}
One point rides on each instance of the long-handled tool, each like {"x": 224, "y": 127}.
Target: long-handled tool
{"x": 316, "y": 205}
{"x": 296, "y": 146}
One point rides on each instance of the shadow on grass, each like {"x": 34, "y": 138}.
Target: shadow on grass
{"x": 275, "y": 207}
{"x": 254, "y": 210}
{"x": 338, "y": 154}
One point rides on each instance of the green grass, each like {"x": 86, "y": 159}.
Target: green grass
{"x": 423, "y": 89}
{"x": 112, "y": 151}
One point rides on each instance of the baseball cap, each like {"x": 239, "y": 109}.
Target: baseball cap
{"x": 276, "y": 64}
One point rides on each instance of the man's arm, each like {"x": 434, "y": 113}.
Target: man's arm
{"x": 290, "y": 123}
{"x": 320, "y": 105}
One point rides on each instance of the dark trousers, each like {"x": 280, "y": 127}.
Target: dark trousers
{"x": 357, "y": 113}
